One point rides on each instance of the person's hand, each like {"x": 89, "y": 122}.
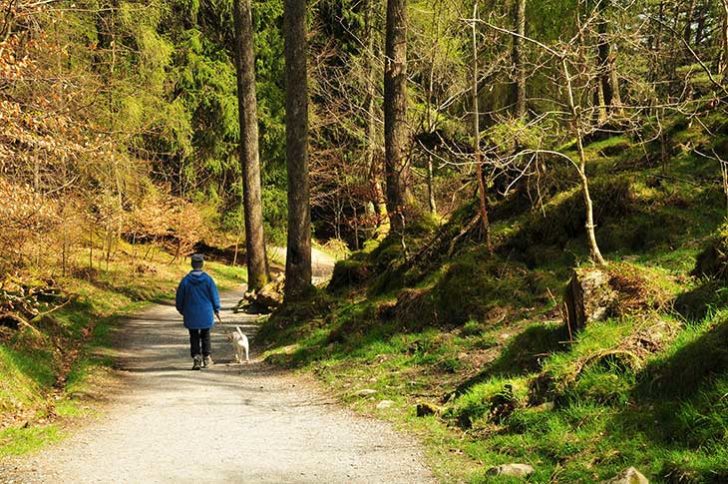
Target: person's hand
{"x": 218, "y": 317}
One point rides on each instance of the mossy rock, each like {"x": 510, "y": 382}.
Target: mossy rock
{"x": 349, "y": 273}
{"x": 476, "y": 282}
{"x": 588, "y": 297}
{"x": 712, "y": 262}
{"x": 620, "y": 289}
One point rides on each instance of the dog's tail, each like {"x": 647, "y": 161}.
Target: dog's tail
{"x": 240, "y": 331}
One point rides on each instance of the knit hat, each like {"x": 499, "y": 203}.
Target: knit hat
{"x": 197, "y": 261}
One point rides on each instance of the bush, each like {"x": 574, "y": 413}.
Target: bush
{"x": 26, "y": 218}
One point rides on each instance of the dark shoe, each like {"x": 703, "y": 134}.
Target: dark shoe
{"x": 197, "y": 362}
{"x": 207, "y": 362}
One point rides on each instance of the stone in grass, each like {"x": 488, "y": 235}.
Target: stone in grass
{"x": 425, "y": 409}
{"x": 511, "y": 470}
{"x": 384, "y": 404}
{"x": 366, "y": 392}
{"x": 628, "y": 476}
{"x": 588, "y": 298}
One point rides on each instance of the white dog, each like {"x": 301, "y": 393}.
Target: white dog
{"x": 240, "y": 344}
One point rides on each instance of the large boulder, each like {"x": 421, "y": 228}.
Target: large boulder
{"x": 589, "y": 297}
{"x": 628, "y": 476}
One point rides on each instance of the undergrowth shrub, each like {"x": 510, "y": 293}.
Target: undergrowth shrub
{"x": 27, "y": 217}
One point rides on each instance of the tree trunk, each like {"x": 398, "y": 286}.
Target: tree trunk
{"x": 373, "y": 171}
{"x": 614, "y": 81}
{"x": 724, "y": 39}
{"x": 519, "y": 60}
{"x": 395, "y": 111}
{"x": 603, "y": 54}
{"x": 298, "y": 255}
{"x": 601, "y": 113}
{"x": 689, "y": 16}
{"x": 482, "y": 195}
{"x": 248, "y": 149}
{"x": 702, "y": 18}
{"x": 594, "y": 251}
{"x": 432, "y": 203}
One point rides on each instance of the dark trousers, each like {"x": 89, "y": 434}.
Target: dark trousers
{"x": 199, "y": 342}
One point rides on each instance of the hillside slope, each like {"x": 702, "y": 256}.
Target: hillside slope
{"x": 475, "y": 344}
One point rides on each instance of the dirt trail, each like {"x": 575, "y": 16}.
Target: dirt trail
{"x": 322, "y": 264}
{"x": 230, "y": 423}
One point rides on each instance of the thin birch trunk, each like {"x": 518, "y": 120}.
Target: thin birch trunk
{"x": 482, "y": 196}
{"x": 594, "y": 251}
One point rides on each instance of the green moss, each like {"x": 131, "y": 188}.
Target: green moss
{"x": 645, "y": 388}
{"x": 19, "y": 441}
{"x": 713, "y": 260}
{"x": 350, "y": 273}
{"x": 476, "y": 283}
{"x": 564, "y": 216}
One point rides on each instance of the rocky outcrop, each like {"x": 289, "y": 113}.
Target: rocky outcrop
{"x": 589, "y": 297}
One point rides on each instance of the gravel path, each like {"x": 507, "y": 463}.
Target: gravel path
{"x": 230, "y": 423}
{"x": 322, "y": 264}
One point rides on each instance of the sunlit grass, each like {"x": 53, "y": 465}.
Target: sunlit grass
{"x": 30, "y": 361}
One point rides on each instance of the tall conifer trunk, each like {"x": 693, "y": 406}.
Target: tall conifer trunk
{"x": 248, "y": 149}
{"x": 298, "y": 255}
{"x": 395, "y": 111}
{"x": 608, "y": 90}
{"x": 374, "y": 169}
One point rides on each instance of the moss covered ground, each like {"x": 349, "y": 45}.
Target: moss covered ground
{"x": 479, "y": 338}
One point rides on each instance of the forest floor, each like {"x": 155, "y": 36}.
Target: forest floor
{"x": 165, "y": 423}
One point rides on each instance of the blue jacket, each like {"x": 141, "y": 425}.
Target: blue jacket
{"x": 198, "y": 300}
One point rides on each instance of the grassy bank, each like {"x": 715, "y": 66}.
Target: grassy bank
{"x": 52, "y": 371}
{"x": 477, "y": 342}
